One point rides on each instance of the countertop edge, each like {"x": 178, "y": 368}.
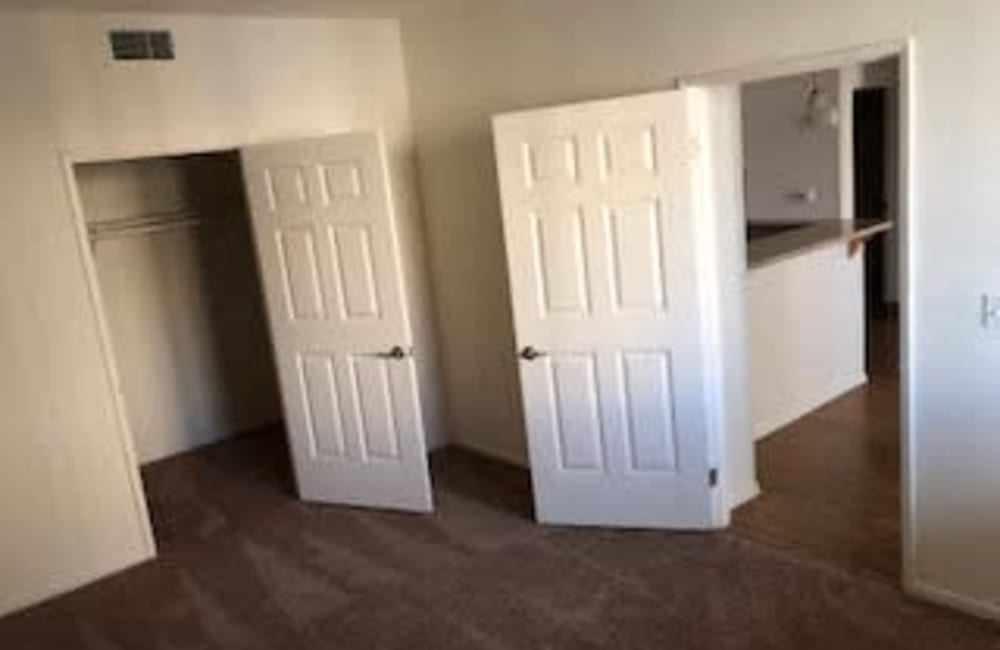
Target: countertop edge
{"x": 822, "y": 234}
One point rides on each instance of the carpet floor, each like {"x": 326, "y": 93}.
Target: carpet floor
{"x": 244, "y": 565}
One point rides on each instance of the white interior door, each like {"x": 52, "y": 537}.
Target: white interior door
{"x": 601, "y": 205}
{"x": 326, "y": 240}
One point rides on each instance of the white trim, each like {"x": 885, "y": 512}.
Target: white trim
{"x": 908, "y": 321}
{"x": 794, "y": 65}
{"x": 802, "y": 407}
{"x": 722, "y": 266}
{"x": 90, "y": 155}
{"x": 905, "y": 49}
{"x": 743, "y": 493}
{"x": 98, "y": 154}
{"x": 847, "y": 82}
{"x": 981, "y": 609}
{"x": 123, "y": 429}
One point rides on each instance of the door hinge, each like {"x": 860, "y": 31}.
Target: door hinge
{"x": 713, "y": 477}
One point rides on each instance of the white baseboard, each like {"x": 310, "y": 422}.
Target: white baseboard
{"x": 978, "y": 608}
{"x": 808, "y": 403}
{"x": 743, "y": 493}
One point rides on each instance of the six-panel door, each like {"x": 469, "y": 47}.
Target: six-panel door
{"x": 329, "y": 258}
{"x": 600, "y": 209}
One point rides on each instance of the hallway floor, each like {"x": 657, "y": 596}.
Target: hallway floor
{"x": 830, "y": 482}
{"x": 244, "y": 565}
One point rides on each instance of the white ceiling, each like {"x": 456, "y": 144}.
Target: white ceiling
{"x": 346, "y": 8}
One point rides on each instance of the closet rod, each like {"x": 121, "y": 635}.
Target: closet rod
{"x": 142, "y": 225}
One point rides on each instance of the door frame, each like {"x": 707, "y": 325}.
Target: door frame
{"x": 905, "y": 50}
{"x": 68, "y": 160}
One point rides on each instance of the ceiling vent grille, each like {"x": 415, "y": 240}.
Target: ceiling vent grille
{"x": 141, "y": 45}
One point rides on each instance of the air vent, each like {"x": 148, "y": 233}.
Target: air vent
{"x": 140, "y": 45}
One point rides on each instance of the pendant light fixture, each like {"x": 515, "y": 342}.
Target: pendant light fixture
{"x": 820, "y": 108}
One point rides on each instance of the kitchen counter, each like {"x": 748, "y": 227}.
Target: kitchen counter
{"x": 806, "y": 315}
{"x": 791, "y": 240}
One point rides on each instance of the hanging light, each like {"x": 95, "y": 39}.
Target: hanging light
{"x": 820, "y": 108}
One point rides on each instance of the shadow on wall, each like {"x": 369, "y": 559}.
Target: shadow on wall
{"x": 238, "y": 336}
{"x": 470, "y": 272}
{"x": 184, "y": 304}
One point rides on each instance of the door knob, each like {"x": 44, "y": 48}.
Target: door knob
{"x": 397, "y": 353}
{"x": 530, "y": 354}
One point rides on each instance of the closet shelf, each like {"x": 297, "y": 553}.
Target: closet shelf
{"x": 143, "y": 224}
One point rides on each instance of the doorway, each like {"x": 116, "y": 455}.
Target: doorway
{"x": 563, "y": 172}
{"x": 261, "y": 289}
{"x": 825, "y": 336}
{"x": 171, "y": 245}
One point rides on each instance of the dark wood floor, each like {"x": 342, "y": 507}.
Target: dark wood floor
{"x": 830, "y": 482}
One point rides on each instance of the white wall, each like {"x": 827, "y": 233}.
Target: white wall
{"x": 66, "y": 487}
{"x": 786, "y": 158}
{"x": 806, "y": 317}
{"x": 484, "y": 58}
{"x": 184, "y": 305}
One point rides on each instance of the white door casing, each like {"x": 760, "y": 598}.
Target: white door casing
{"x": 325, "y": 233}
{"x": 601, "y": 204}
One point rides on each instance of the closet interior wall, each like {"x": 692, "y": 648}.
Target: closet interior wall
{"x": 182, "y": 298}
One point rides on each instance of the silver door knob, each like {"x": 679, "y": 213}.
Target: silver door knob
{"x": 530, "y": 354}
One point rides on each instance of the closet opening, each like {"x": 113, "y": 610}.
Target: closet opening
{"x": 176, "y": 274}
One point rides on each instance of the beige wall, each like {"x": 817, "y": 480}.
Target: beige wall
{"x": 240, "y": 80}
{"x": 67, "y": 490}
{"x": 785, "y": 158}
{"x": 230, "y": 85}
{"x": 479, "y": 60}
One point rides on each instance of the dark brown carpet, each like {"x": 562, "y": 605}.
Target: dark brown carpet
{"x": 244, "y": 565}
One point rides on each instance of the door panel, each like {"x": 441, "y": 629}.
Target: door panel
{"x": 635, "y": 255}
{"x": 577, "y": 430}
{"x": 600, "y": 205}
{"x": 357, "y": 287}
{"x": 647, "y": 398}
{"x": 321, "y": 405}
{"x": 376, "y": 404}
{"x": 296, "y": 250}
{"x": 330, "y": 267}
{"x": 560, "y": 262}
